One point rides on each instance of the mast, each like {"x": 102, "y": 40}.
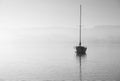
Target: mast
{"x": 80, "y": 25}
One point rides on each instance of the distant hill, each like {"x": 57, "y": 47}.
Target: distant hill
{"x": 103, "y": 34}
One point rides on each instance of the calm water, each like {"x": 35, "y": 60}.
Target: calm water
{"x": 59, "y": 62}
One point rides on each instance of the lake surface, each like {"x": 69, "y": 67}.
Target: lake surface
{"x": 58, "y": 61}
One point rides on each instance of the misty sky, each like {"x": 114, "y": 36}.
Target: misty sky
{"x": 58, "y": 13}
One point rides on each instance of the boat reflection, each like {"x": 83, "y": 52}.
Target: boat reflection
{"x": 80, "y": 57}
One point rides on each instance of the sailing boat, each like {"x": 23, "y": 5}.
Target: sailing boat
{"x": 80, "y": 50}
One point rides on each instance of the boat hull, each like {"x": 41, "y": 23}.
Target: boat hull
{"x": 81, "y": 50}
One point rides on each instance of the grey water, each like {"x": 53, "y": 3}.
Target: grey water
{"x": 58, "y": 61}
